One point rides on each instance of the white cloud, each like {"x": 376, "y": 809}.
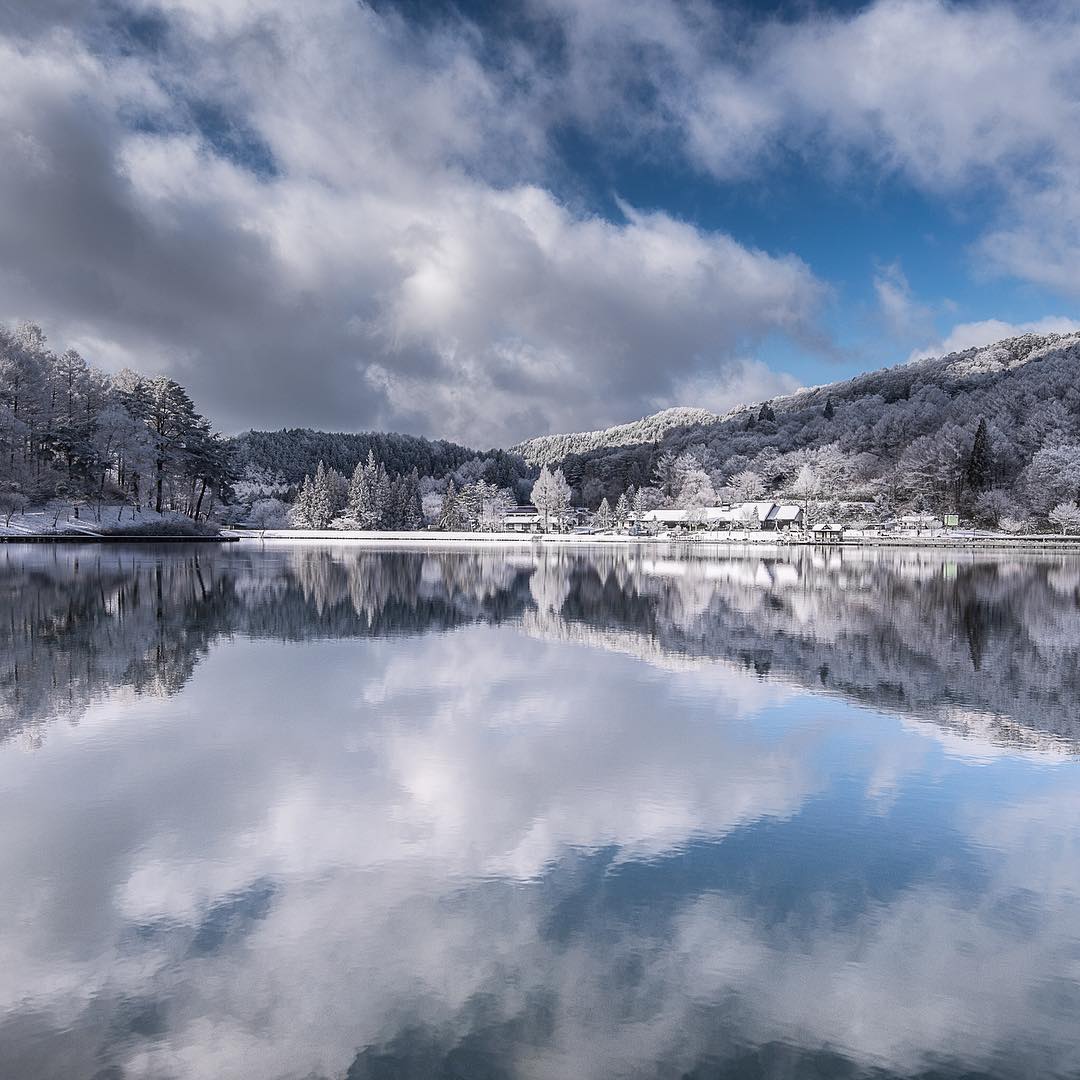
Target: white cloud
{"x": 954, "y": 98}
{"x": 743, "y": 382}
{"x": 401, "y": 258}
{"x": 901, "y": 311}
{"x": 403, "y": 264}
{"x": 973, "y": 334}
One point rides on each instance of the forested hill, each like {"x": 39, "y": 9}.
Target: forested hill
{"x": 904, "y": 435}
{"x": 296, "y": 452}
{"x": 547, "y": 449}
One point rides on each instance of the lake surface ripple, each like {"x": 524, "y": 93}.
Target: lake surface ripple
{"x": 326, "y": 811}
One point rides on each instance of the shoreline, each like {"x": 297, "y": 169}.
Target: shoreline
{"x": 733, "y": 539}
{"x": 1046, "y": 542}
{"x": 100, "y": 538}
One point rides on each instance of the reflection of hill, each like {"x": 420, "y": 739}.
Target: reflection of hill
{"x": 990, "y": 637}
{"x": 921, "y": 632}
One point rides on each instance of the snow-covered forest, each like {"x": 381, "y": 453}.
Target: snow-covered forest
{"x": 992, "y": 434}
{"x": 73, "y": 435}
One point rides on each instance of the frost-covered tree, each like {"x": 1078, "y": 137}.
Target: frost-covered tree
{"x": 268, "y": 514}
{"x": 315, "y": 501}
{"x": 495, "y": 504}
{"x": 747, "y": 486}
{"x": 623, "y": 510}
{"x": 604, "y": 518}
{"x": 411, "y": 513}
{"x": 666, "y": 475}
{"x": 452, "y": 517}
{"x": 696, "y": 490}
{"x": 1053, "y": 476}
{"x": 550, "y": 494}
{"x": 806, "y": 488}
{"x": 1066, "y": 516}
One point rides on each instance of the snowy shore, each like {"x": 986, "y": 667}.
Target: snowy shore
{"x": 940, "y": 538}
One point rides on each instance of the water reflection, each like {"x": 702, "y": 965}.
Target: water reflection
{"x": 987, "y": 645}
{"x": 328, "y": 813}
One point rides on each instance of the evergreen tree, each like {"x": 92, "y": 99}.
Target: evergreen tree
{"x": 450, "y": 517}
{"x": 622, "y": 510}
{"x": 412, "y": 508}
{"x": 359, "y": 496}
{"x": 383, "y": 497}
{"x": 980, "y": 467}
{"x": 766, "y": 412}
{"x": 830, "y": 411}
{"x": 319, "y": 503}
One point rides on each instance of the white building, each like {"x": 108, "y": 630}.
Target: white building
{"x": 753, "y": 515}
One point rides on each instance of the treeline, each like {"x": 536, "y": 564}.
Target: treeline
{"x": 373, "y": 498}
{"x": 992, "y": 434}
{"x": 71, "y": 432}
{"x": 295, "y": 453}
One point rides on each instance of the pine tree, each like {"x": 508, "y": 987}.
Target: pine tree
{"x": 380, "y": 496}
{"x": 450, "y": 517}
{"x": 321, "y": 498}
{"x": 830, "y": 411}
{"x": 766, "y": 412}
{"x": 359, "y": 496}
{"x": 980, "y": 467}
{"x": 622, "y": 509}
{"x": 412, "y": 507}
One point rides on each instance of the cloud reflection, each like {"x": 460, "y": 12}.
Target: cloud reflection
{"x": 343, "y": 843}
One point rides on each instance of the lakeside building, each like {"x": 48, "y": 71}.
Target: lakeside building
{"x": 527, "y": 518}
{"x": 755, "y": 515}
{"x": 522, "y": 519}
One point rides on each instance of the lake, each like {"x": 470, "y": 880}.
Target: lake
{"x": 327, "y": 811}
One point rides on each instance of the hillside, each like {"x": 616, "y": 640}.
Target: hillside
{"x": 903, "y": 436}
{"x": 547, "y": 449}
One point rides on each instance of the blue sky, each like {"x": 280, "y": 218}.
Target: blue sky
{"x": 486, "y": 221}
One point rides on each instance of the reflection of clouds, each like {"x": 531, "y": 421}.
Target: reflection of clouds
{"x": 502, "y": 830}
{"x": 474, "y": 772}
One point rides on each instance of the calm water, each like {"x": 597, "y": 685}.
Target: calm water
{"x": 329, "y": 812}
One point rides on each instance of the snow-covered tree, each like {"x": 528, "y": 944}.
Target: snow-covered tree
{"x": 747, "y": 486}
{"x": 1066, "y": 516}
{"x": 604, "y": 518}
{"x": 451, "y": 516}
{"x": 696, "y": 490}
{"x": 550, "y": 494}
{"x": 806, "y": 488}
{"x": 623, "y": 510}
{"x": 495, "y": 504}
{"x": 314, "y": 505}
{"x": 666, "y": 475}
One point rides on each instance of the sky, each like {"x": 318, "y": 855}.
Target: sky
{"x": 490, "y": 220}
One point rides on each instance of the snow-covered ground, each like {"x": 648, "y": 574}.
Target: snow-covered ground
{"x": 934, "y": 538}
{"x": 59, "y": 518}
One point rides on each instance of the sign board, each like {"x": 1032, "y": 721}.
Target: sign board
{"x": 952, "y": 520}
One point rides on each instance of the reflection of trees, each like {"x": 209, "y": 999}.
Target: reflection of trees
{"x": 75, "y": 623}
{"x": 919, "y": 631}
